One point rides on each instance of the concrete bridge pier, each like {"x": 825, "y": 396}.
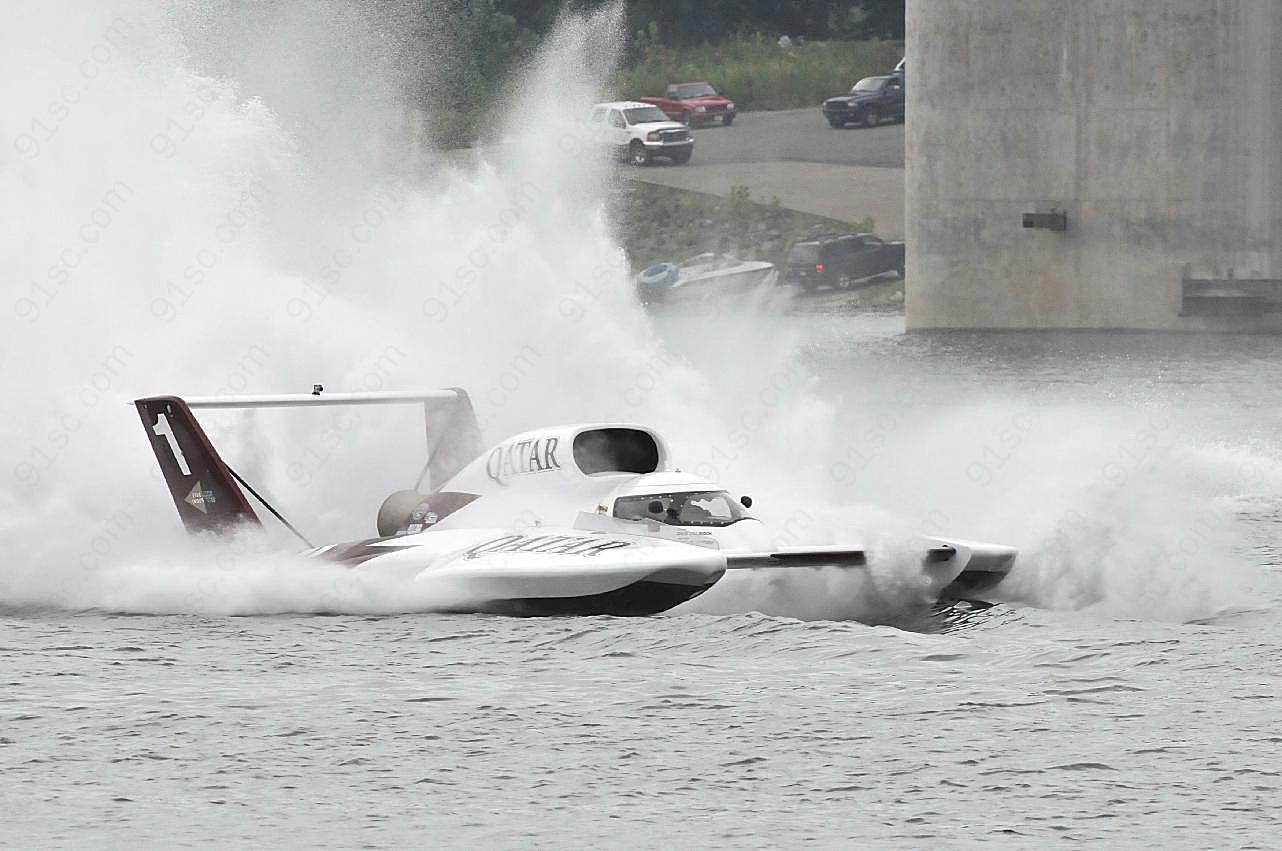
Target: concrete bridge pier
{"x": 1094, "y": 164}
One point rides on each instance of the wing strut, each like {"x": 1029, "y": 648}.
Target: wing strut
{"x": 256, "y": 495}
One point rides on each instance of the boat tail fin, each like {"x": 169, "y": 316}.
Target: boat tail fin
{"x": 203, "y": 488}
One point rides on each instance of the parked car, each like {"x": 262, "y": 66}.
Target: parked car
{"x": 868, "y": 102}
{"x": 694, "y": 103}
{"x": 641, "y": 132}
{"x": 841, "y": 260}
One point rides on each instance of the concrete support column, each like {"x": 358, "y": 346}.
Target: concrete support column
{"x": 1153, "y": 125}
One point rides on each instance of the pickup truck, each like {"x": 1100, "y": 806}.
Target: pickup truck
{"x": 694, "y": 103}
{"x": 841, "y": 260}
{"x": 868, "y": 102}
{"x": 640, "y": 132}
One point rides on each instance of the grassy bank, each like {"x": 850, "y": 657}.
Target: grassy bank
{"x": 659, "y": 223}
{"x": 879, "y": 294}
{"x": 758, "y": 74}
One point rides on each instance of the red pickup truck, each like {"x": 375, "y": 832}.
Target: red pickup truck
{"x": 694, "y": 103}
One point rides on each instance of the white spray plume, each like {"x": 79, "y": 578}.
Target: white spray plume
{"x": 212, "y": 198}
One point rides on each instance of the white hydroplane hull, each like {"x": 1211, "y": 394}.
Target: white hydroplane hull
{"x": 491, "y": 531}
{"x": 547, "y": 571}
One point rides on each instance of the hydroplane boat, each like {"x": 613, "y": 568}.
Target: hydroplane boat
{"x": 587, "y": 519}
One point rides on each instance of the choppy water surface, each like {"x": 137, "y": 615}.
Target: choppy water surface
{"x": 1131, "y": 697}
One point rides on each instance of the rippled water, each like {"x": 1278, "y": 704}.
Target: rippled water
{"x": 1122, "y": 701}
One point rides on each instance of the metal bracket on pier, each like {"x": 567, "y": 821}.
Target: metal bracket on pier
{"x": 1054, "y": 220}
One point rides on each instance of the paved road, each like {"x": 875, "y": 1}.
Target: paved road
{"x": 795, "y": 156}
{"x": 798, "y": 135}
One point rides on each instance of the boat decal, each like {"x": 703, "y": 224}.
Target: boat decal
{"x": 201, "y": 497}
{"x": 360, "y": 552}
{"x": 575, "y": 545}
{"x": 519, "y": 457}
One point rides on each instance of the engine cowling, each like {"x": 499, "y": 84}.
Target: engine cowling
{"x": 409, "y": 508}
{"x": 396, "y": 511}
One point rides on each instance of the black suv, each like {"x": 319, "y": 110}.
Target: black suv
{"x": 841, "y": 260}
{"x": 868, "y": 102}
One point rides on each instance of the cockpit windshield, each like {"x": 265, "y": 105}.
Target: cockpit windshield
{"x": 697, "y": 508}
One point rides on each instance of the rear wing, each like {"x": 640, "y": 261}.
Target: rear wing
{"x": 208, "y": 493}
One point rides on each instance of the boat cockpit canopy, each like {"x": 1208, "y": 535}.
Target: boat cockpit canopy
{"x": 691, "y": 508}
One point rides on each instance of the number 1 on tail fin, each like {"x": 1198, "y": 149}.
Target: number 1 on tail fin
{"x": 203, "y": 489}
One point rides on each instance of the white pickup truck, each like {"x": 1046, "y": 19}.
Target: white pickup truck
{"x": 640, "y": 132}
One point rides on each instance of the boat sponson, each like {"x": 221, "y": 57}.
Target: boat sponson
{"x": 645, "y": 597}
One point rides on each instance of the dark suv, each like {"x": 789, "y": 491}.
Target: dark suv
{"x": 868, "y": 102}
{"x": 841, "y": 260}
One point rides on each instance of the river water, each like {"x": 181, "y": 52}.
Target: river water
{"x": 1127, "y": 695}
